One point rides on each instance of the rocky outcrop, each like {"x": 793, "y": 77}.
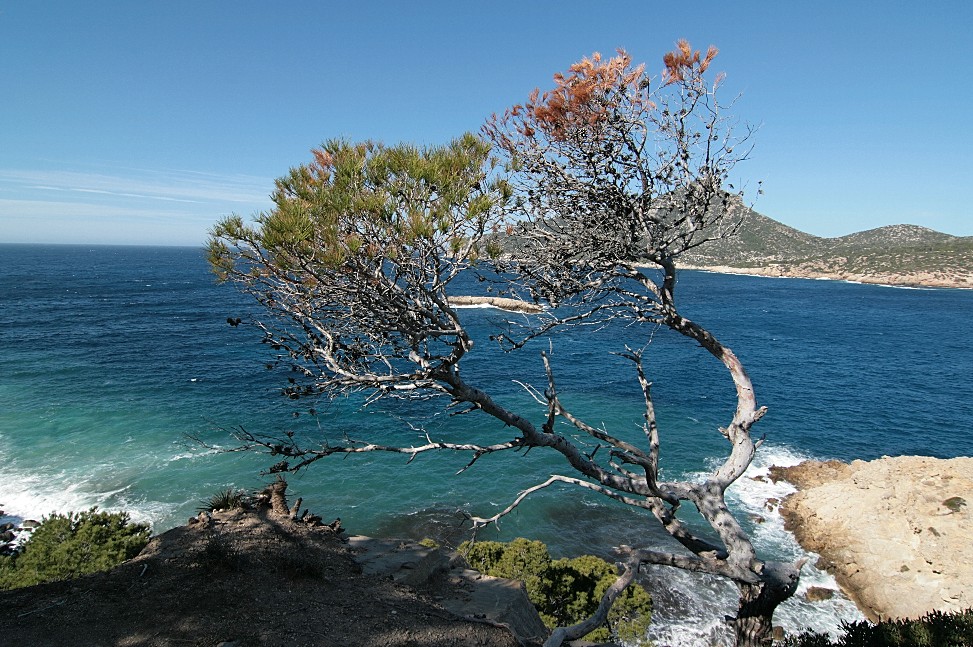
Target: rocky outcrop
{"x": 257, "y": 577}
{"x": 455, "y": 586}
{"x": 511, "y": 305}
{"x": 895, "y": 532}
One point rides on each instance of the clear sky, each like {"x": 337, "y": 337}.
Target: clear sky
{"x": 145, "y": 122}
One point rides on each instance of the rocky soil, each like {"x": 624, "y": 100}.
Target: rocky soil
{"x": 897, "y": 533}
{"x": 256, "y": 578}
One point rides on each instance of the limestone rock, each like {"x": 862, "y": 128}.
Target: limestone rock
{"x": 504, "y": 303}
{"x": 818, "y": 594}
{"x": 895, "y": 532}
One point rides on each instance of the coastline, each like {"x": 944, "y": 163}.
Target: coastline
{"x": 916, "y": 279}
{"x": 893, "y": 531}
{"x": 239, "y": 577}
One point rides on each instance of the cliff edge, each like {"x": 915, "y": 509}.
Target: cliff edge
{"x": 895, "y": 532}
{"x": 255, "y": 578}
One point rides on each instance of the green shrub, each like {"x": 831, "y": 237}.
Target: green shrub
{"x": 936, "y": 629}
{"x": 565, "y": 591}
{"x": 63, "y": 547}
{"x": 228, "y": 499}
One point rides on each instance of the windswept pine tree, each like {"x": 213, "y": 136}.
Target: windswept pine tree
{"x": 605, "y": 180}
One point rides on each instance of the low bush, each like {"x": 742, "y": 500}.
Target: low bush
{"x": 936, "y": 629}
{"x": 565, "y": 591}
{"x": 228, "y": 499}
{"x": 67, "y": 546}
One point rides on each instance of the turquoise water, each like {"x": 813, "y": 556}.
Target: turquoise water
{"x": 112, "y": 357}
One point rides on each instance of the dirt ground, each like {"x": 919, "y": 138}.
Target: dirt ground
{"x": 238, "y": 579}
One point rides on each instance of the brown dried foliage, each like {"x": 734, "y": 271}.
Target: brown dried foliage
{"x": 681, "y": 61}
{"x": 580, "y": 99}
{"x": 322, "y": 164}
{"x": 585, "y": 95}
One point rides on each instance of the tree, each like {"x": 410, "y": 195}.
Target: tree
{"x": 604, "y": 181}
{"x": 620, "y": 177}
{"x": 68, "y": 546}
{"x": 566, "y": 590}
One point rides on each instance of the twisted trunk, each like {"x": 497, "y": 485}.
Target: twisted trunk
{"x": 777, "y": 581}
{"x": 753, "y": 624}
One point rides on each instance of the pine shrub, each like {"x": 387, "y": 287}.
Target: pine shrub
{"x": 936, "y": 629}
{"x": 228, "y": 499}
{"x": 68, "y": 546}
{"x": 565, "y": 591}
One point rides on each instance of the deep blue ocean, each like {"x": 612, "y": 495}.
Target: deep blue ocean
{"x": 112, "y": 358}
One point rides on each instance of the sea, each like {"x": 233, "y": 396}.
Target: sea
{"x": 122, "y": 386}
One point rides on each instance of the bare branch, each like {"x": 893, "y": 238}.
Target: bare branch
{"x": 600, "y": 616}
{"x": 636, "y": 454}
{"x": 651, "y": 427}
{"x": 697, "y": 564}
{"x": 556, "y": 478}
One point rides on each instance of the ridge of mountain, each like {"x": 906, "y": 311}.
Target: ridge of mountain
{"x": 900, "y": 234}
{"x": 894, "y": 254}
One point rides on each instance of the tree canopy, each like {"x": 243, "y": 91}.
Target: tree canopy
{"x": 597, "y": 187}
{"x": 357, "y": 255}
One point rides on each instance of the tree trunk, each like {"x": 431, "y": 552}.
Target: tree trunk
{"x": 275, "y": 496}
{"x": 754, "y": 622}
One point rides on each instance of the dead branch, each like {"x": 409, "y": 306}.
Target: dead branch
{"x": 600, "y": 616}
{"x": 556, "y": 478}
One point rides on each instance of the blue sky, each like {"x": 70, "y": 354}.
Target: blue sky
{"x": 144, "y": 123}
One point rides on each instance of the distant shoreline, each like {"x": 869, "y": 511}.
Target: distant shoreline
{"x": 911, "y": 279}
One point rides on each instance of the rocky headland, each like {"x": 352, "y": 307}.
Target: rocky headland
{"x": 503, "y": 303}
{"x": 897, "y": 533}
{"x": 900, "y": 255}
{"x": 834, "y": 272}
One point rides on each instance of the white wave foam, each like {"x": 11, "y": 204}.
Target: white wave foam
{"x": 193, "y": 454}
{"x": 29, "y": 494}
{"x": 29, "y": 497}
{"x": 759, "y": 497}
{"x": 689, "y": 608}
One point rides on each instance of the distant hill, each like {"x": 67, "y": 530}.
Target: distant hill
{"x": 760, "y": 240}
{"x": 895, "y": 254}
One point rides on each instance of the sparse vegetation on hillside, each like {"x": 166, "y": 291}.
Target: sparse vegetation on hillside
{"x": 896, "y": 249}
{"x": 932, "y": 630}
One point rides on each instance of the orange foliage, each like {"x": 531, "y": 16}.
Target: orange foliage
{"x": 580, "y": 98}
{"x": 586, "y": 94}
{"x": 322, "y": 165}
{"x": 681, "y": 61}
